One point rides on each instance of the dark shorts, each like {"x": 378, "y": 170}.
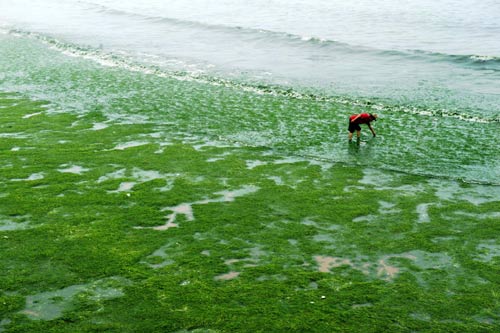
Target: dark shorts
{"x": 353, "y": 127}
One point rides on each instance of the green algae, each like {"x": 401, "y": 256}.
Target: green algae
{"x": 257, "y": 242}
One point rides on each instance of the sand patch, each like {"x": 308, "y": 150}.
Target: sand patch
{"x": 228, "y": 276}
{"x": 381, "y": 268}
{"x": 327, "y": 263}
{"x": 386, "y": 271}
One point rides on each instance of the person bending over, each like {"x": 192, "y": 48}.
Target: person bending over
{"x": 357, "y": 119}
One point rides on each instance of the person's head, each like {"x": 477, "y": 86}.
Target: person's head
{"x": 374, "y": 116}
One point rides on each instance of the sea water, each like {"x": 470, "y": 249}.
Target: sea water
{"x": 280, "y": 74}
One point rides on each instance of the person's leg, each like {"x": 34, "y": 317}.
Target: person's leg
{"x": 358, "y": 133}
{"x": 350, "y": 129}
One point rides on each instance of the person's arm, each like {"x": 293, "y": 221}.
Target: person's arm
{"x": 371, "y": 129}
{"x": 355, "y": 118}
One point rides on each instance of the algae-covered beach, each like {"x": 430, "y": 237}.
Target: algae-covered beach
{"x": 185, "y": 168}
{"x": 117, "y": 228}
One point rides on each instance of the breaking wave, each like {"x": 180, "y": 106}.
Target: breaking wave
{"x": 129, "y": 63}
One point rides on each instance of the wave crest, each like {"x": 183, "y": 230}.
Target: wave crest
{"x": 128, "y": 63}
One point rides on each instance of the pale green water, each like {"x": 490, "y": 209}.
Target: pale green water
{"x": 417, "y": 139}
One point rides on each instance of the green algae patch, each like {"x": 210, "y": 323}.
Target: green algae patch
{"x": 118, "y": 226}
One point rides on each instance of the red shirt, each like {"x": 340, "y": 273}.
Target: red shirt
{"x": 364, "y": 118}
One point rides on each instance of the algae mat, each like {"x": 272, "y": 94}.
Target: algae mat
{"x": 118, "y": 227}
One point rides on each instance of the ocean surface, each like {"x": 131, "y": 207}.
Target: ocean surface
{"x": 279, "y": 74}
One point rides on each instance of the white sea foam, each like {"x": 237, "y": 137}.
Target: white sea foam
{"x": 31, "y": 115}
{"x": 482, "y": 58}
{"x": 131, "y": 144}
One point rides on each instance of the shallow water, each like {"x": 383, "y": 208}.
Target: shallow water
{"x": 273, "y": 78}
{"x": 459, "y": 145}
{"x": 51, "y": 305}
